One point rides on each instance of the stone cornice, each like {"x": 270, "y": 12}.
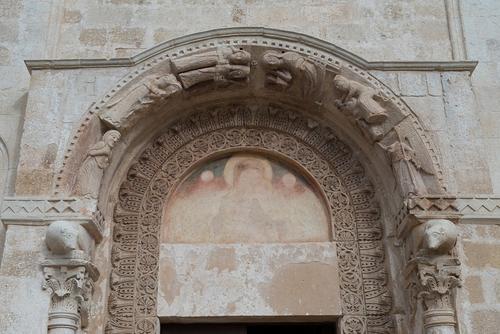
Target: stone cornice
{"x": 40, "y": 211}
{"x": 43, "y": 211}
{"x": 246, "y": 33}
{"x": 464, "y": 209}
{"x": 476, "y": 207}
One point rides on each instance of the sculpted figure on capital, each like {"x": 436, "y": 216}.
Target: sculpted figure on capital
{"x": 434, "y": 274}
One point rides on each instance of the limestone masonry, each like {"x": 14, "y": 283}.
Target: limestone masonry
{"x": 181, "y": 161}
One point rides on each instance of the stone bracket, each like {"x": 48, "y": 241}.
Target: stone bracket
{"x": 42, "y": 211}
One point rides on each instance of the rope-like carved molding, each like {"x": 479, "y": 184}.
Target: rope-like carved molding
{"x": 355, "y": 216}
{"x": 253, "y": 38}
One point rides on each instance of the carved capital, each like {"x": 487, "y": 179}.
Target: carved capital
{"x": 69, "y": 276}
{"x": 433, "y": 273}
{"x": 437, "y": 281}
{"x": 70, "y": 287}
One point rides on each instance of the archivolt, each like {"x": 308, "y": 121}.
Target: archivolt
{"x": 365, "y": 296}
{"x": 401, "y": 123}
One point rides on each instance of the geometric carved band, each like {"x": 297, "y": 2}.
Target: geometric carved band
{"x": 272, "y": 130}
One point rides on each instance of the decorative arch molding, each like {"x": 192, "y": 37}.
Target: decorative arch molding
{"x": 311, "y": 68}
{"x": 355, "y": 215}
{"x": 280, "y": 93}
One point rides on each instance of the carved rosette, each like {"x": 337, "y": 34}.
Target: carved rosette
{"x": 70, "y": 288}
{"x": 353, "y": 325}
{"x": 273, "y": 130}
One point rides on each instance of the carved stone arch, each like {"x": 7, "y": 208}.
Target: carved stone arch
{"x": 355, "y": 215}
{"x": 125, "y": 109}
{"x": 329, "y": 92}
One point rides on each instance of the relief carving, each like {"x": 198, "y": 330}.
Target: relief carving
{"x": 407, "y": 168}
{"x": 286, "y": 68}
{"x": 223, "y": 66}
{"x": 136, "y": 233}
{"x": 63, "y": 238}
{"x": 92, "y": 169}
{"x": 361, "y": 101}
{"x": 434, "y": 273}
{"x": 149, "y": 91}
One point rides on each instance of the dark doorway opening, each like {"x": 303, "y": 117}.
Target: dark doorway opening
{"x": 278, "y": 328}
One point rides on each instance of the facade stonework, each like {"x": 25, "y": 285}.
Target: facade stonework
{"x": 216, "y": 171}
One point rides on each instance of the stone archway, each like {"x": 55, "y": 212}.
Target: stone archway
{"x": 355, "y": 215}
{"x": 314, "y": 93}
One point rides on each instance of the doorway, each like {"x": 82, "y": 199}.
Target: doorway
{"x": 278, "y": 328}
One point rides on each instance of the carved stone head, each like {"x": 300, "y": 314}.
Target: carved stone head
{"x": 63, "y": 237}
{"x": 239, "y": 73}
{"x": 111, "y": 137}
{"x": 341, "y": 83}
{"x": 272, "y": 60}
{"x": 440, "y": 236}
{"x": 240, "y": 57}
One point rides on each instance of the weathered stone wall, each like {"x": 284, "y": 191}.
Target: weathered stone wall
{"x": 480, "y": 298}
{"x": 37, "y": 120}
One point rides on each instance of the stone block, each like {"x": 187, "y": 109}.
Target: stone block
{"x": 485, "y": 321}
{"x": 4, "y": 56}
{"x": 23, "y": 251}
{"x": 93, "y": 37}
{"x": 474, "y": 289}
{"x": 412, "y": 84}
{"x": 10, "y": 8}
{"x": 434, "y": 87}
{"x": 72, "y": 16}
{"x": 129, "y": 36}
{"x": 430, "y": 109}
{"x": 24, "y": 306}
{"x": 497, "y": 288}
{"x": 481, "y": 255}
{"x": 9, "y": 31}
{"x": 490, "y": 124}
{"x": 390, "y": 79}
{"x": 248, "y": 280}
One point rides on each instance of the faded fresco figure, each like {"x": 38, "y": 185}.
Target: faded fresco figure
{"x": 246, "y": 198}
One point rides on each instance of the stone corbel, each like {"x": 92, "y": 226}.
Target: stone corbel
{"x": 69, "y": 276}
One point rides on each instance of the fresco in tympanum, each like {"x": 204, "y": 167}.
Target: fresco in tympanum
{"x": 244, "y": 198}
